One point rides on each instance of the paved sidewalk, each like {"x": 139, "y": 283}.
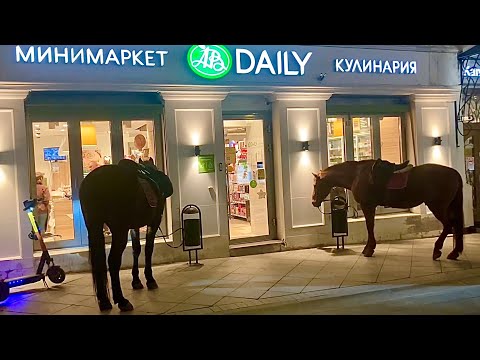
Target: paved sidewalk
{"x": 401, "y": 278}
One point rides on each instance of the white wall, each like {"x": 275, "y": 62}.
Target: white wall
{"x": 14, "y": 187}
{"x": 196, "y": 119}
{"x": 303, "y": 125}
{"x": 298, "y": 117}
{"x": 434, "y": 115}
{"x": 196, "y": 127}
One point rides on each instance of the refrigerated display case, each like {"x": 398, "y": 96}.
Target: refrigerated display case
{"x": 362, "y": 146}
{"x": 335, "y": 150}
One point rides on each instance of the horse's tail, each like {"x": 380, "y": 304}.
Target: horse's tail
{"x": 98, "y": 262}
{"x": 457, "y": 217}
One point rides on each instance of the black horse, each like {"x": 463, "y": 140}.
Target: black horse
{"x": 124, "y": 196}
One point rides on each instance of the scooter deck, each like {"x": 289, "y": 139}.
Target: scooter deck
{"x": 23, "y": 280}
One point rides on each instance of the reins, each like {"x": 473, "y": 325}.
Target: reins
{"x": 348, "y": 206}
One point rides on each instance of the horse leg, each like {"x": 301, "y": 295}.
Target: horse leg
{"x": 149, "y": 243}
{"x": 441, "y": 216}
{"x": 455, "y": 213}
{"x": 98, "y": 262}
{"x": 369, "y": 213}
{"x": 119, "y": 242}
{"x": 137, "y": 248}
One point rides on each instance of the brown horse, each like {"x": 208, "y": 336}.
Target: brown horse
{"x": 438, "y": 186}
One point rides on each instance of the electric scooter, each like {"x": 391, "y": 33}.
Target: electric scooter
{"x": 55, "y": 273}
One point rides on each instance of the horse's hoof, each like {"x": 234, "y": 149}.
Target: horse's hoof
{"x": 453, "y": 255}
{"x": 151, "y": 285}
{"x": 436, "y": 254}
{"x": 137, "y": 285}
{"x": 368, "y": 253}
{"x": 126, "y": 306}
{"x": 105, "y": 305}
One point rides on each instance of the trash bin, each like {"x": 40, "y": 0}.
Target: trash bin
{"x": 192, "y": 230}
{"x": 339, "y": 212}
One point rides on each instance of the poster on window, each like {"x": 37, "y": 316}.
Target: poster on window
{"x": 230, "y": 155}
{"x": 91, "y": 160}
{"x": 470, "y": 160}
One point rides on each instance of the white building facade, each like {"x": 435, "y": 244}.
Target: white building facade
{"x": 250, "y": 110}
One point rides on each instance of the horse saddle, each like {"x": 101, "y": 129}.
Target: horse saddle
{"x": 155, "y": 183}
{"x": 390, "y": 175}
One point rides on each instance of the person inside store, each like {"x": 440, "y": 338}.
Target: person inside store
{"x": 43, "y": 203}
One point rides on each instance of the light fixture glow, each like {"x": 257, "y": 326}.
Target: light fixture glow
{"x": 3, "y": 177}
{"x": 88, "y": 134}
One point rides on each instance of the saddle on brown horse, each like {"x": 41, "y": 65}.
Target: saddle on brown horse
{"x": 386, "y": 175}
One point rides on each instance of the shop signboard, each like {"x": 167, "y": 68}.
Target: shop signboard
{"x": 245, "y": 65}
{"x": 206, "y": 164}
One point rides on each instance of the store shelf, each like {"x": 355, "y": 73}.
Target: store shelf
{"x": 238, "y": 216}
{"x": 238, "y": 193}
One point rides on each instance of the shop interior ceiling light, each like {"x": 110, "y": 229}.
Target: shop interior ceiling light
{"x": 89, "y": 135}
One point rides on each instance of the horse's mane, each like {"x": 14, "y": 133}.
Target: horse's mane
{"x": 346, "y": 164}
{"x": 148, "y": 163}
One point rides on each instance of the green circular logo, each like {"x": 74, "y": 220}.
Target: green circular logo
{"x": 253, "y": 184}
{"x": 210, "y": 61}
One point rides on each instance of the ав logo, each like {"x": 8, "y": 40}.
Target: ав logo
{"x": 210, "y": 61}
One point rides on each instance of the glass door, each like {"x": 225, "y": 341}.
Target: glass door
{"x": 362, "y": 149}
{"x": 362, "y": 138}
{"x": 53, "y": 184}
{"x": 248, "y": 159}
{"x": 139, "y": 144}
{"x": 391, "y": 147}
{"x": 336, "y": 140}
{"x": 96, "y": 143}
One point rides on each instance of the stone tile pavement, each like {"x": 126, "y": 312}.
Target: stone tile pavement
{"x": 307, "y": 281}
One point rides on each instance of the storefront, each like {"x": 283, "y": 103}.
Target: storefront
{"x": 229, "y": 124}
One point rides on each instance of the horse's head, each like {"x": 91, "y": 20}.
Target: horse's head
{"x": 321, "y": 188}
{"x": 148, "y": 163}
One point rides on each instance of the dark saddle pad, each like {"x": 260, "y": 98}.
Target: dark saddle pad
{"x": 151, "y": 193}
{"x": 389, "y": 175}
{"x": 398, "y": 181}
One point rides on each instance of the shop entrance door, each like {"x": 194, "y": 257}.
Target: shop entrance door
{"x": 248, "y": 160}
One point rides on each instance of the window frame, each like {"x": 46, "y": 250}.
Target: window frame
{"x": 376, "y": 149}
{"x": 73, "y": 114}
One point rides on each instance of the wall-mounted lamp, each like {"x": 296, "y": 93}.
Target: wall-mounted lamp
{"x": 305, "y": 145}
{"x": 437, "y": 140}
{"x": 197, "y": 150}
